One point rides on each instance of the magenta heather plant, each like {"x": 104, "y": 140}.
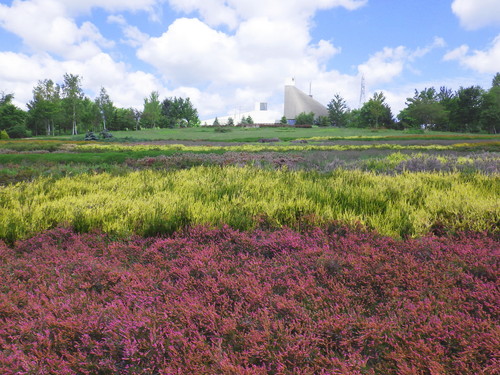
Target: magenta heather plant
{"x": 187, "y": 160}
{"x": 325, "y": 161}
{"x": 221, "y": 301}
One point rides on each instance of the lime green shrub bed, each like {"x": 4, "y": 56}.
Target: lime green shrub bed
{"x": 154, "y": 202}
{"x": 115, "y": 147}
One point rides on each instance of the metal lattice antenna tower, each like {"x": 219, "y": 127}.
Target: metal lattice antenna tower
{"x": 362, "y": 97}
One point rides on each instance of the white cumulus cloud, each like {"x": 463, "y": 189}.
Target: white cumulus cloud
{"x": 482, "y": 61}
{"x": 19, "y": 73}
{"x": 422, "y": 51}
{"x": 384, "y": 65}
{"x": 474, "y": 14}
{"x": 45, "y": 26}
{"x": 231, "y": 12}
{"x": 190, "y": 52}
{"x": 78, "y": 7}
{"x": 389, "y": 63}
{"x": 267, "y": 38}
{"x": 134, "y": 37}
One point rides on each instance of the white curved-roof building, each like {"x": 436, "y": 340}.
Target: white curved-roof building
{"x": 260, "y": 115}
{"x": 296, "y": 102}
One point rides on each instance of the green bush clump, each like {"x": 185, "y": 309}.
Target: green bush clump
{"x": 19, "y": 131}
{"x": 91, "y": 136}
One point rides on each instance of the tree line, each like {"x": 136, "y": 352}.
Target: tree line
{"x": 57, "y": 109}
{"x": 469, "y": 109}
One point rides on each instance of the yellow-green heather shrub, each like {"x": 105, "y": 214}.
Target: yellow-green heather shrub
{"x": 150, "y": 202}
{"x": 258, "y": 147}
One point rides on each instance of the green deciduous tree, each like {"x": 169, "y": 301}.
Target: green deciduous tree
{"x": 90, "y": 118}
{"x": 10, "y": 115}
{"x": 354, "y": 119}
{"x": 122, "y": 119}
{"x": 304, "y": 118}
{"x": 496, "y": 80}
{"x": 5, "y": 98}
{"x": 72, "y": 99}
{"x": 424, "y": 109}
{"x": 448, "y": 100}
{"x": 323, "y": 121}
{"x": 45, "y": 110}
{"x": 466, "y": 115}
{"x": 179, "y": 112}
{"x": 490, "y": 111}
{"x": 106, "y": 108}
{"x": 18, "y": 131}
{"x": 137, "y": 118}
{"x": 152, "y": 111}
{"x": 376, "y": 113}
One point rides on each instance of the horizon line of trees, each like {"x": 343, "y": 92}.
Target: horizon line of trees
{"x": 469, "y": 109}
{"x": 57, "y": 109}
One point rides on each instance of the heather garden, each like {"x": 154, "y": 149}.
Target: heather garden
{"x": 247, "y": 251}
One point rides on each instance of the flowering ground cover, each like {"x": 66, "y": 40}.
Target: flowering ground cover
{"x": 374, "y": 160}
{"x": 250, "y": 259}
{"x": 391, "y": 163}
{"x": 326, "y": 300}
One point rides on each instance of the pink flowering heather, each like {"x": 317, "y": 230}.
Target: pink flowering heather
{"x": 220, "y": 301}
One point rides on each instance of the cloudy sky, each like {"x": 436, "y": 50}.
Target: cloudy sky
{"x": 227, "y": 54}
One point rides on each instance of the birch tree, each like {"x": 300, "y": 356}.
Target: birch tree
{"x": 106, "y": 107}
{"x": 73, "y": 96}
{"x": 45, "y": 106}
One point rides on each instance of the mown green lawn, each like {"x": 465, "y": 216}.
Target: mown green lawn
{"x": 247, "y": 134}
{"x": 237, "y": 134}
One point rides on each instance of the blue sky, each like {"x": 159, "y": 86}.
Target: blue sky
{"x": 230, "y": 54}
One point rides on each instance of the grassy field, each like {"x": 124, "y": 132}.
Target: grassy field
{"x": 237, "y": 134}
